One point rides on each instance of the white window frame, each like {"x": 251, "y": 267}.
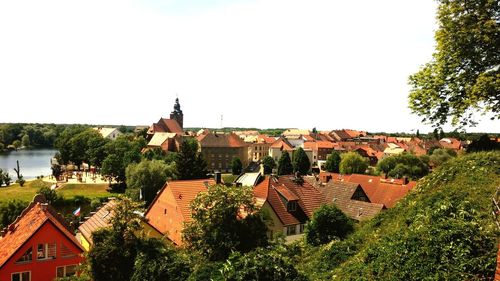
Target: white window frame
{"x": 64, "y": 267}
{"x": 46, "y": 252}
{"x": 21, "y": 275}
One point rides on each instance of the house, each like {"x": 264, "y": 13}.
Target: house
{"x": 393, "y": 149}
{"x": 108, "y": 133}
{"x": 289, "y": 203}
{"x": 346, "y": 134}
{"x": 320, "y": 149}
{"x": 170, "y": 209}
{"x": 258, "y": 146}
{"x": 349, "y": 197}
{"x": 172, "y": 125}
{"x": 168, "y": 142}
{"x": 219, "y": 149}
{"x": 38, "y": 245}
{"x": 102, "y": 219}
{"x": 378, "y": 189}
{"x": 277, "y": 148}
{"x": 451, "y": 143}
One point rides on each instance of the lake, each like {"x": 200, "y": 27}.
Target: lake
{"x": 32, "y": 162}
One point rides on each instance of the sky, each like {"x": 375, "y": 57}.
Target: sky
{"x": 265, "y": 64}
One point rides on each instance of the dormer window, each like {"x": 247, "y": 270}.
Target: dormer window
{"x": 292, "y": 206}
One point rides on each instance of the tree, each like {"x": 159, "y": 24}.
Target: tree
{"x": 418, "y": 133}
{"x": 483, "y": 143}
{"x": 26, "y": 141}
{"x": 328, "y": 223}
{"x": 236, "y": 166}
{"x": 333, "y": 162}
{"x": 261, "y": 264}
{"x": 49, "y": 194}
{"x": 9, "y": 211}
{"x": 56, "y": 171}
{"x": 189, "y": 162}
{"x": 464, "y": 73}
{"x": 269, "y": 164}
{"x": 353, "y": 163}
{"x": 285, "y": 164}
{"x": 440, "y": 156}
{"x": 404, "y": 164}
{"x": 17, "y": 144}
{"x": 113, "y": 255}
{"x": 301, "y": 162}
{"x": 225, "y": 219}
{"x": 148, "y": 177}
{"x": 121, "y": 153}
{"x": 441, "y": 134}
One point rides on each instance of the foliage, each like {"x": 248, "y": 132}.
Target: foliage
{"x": 157, "y": 262}
{"x": 121, "y": 153}
{"x": 224, "y": 220}
{"x": 328, "y": 223}
{"x": 10, "y": 210}
{"x": 403, "y": 165}
{"x": 285, "y": 164}
{"x": 149, "y": 177}
{"x": 441, "y": 155}
{"x": 269, "y": 164}
{"x": 56, "y": 171}
{"x": 301, "y": 162}
{"x": 17, "y": 144}
{"x": 353, "y": 163}
{"x": 50, "y": 194}
{"x": 261, "y": 264}
{"x": 113, "y": 255}
{"x": 25, "y": 140}
{"x": 4, "y": 178}
{"x": 483, "y": 143}
{"x": 464, "y": 74}
{"x": 39, "y": 135}
{"x": 64, "y": 143}
{"x": 236, "y": 166}
{"x": 332, "y": 164}
{"x": 442, "y": 230}
{"x": 158, "y": 154}
{"x": 189, "y": 161}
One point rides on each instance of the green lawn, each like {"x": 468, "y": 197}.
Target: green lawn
{"x": 27, "y": 192}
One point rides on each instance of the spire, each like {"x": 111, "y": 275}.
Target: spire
{"x": 177, "y": 113}
{"x": 177, "y": 106}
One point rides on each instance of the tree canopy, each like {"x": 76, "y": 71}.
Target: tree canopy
{"x": 353, "y": 163}
{"x": 269, "y": 164}
{"x": 328, "y": 223}
{"x": 464, "y": 73}
{"x": 301, "y": 162}
{"x": 236, "y": 166}
{"x": 225, "y": 219}
{"x": 189, "y": 161}
{"x": 285, "y": 164}
{"x": 332, "y": 164}
{"x": 405, "y": 164}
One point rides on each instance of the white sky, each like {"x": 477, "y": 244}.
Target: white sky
{"x": 271, "y": 63}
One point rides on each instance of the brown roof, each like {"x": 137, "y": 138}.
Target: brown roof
{"x": 272, "y": 189}
{"x": 184, "y": 191}
{"x": 282, "y": 144}
{"x": 220, "y": 140}
{"x": 27, "y": 224}
{"x": 165, "y": 125}
{"x": 341, "y": 195}
{"x": 100, "y": 219}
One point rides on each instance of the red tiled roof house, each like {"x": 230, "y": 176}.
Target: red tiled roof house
{"x": 38, "y": 246}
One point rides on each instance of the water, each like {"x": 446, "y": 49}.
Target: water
{"x": 32, "y": 162}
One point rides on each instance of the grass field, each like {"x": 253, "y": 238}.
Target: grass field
{"x": 68, "y": 191}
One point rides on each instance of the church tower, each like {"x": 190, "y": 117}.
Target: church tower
{"x": 177, "y": 113}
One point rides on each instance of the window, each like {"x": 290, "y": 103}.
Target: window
{"x": 292, "y": 206}
{"x": 27, "y": 257}
{"x": 302, "y": 228}
{"x": 66, "y": 252}
{"x": 65, "y": 271}
{"x": 291, "y": 230}
{"x": 164, "y": 211}
{"x": 21, "y": 276}
{"x": 46, "y": 251}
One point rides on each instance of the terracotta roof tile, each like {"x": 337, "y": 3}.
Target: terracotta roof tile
{"x": 100, "y": 219}
{"x": 282, "y": 144}
{"x": 30, "y": 220}
{"x": 220, "y": 140}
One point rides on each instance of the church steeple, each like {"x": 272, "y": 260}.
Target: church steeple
{"x": 177, "y": 113}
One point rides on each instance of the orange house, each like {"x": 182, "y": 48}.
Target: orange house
{"x": 171, "y": 207}
{"x": 38, "y": 246}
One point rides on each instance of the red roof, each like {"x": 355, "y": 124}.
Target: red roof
{"x": 273, "y": 189}
{"x": 282, "y": 144}
{"x": 165, "y": 125}
{"x": 27, "y": 224}
{"x": 220, "y": 140}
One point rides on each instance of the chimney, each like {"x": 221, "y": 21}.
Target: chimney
{"x": 218, "y": 177}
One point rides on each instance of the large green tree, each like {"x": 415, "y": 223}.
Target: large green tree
{"x": 236, "y": 166}
{"x": 121, "y": 153}
{"x": 464, "y": 73}
{"x": 328, "y": 223}
{"x": 353, "y": 163}
{"x": 301, "y": 162}
{"x": 10, "y": 210}
{"x": 189, "y": 161}
{"x": 148, "y": 177}
{"x": 285, "y": 164}
{"x": 333, "y": 162}
{"x": 269, "y": 164}
{"x": 225, "y": 220}
{"x": 405, "y": 164}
